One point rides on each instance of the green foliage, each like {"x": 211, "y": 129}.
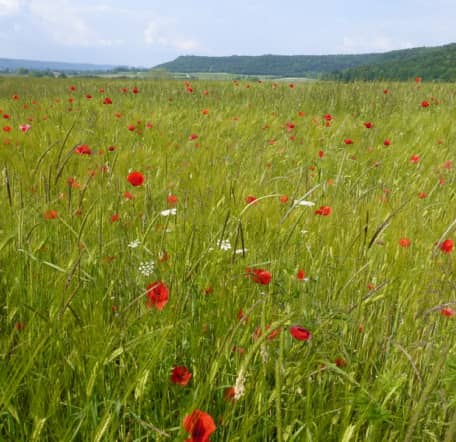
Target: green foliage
{"x": 434, "y": 63}
{"x": 81, "y": 355}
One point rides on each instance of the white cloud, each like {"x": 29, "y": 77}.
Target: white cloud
{"x": 10, "y": 7}
{"x": 163, "y": 32}
{"x": 68, "y": 26}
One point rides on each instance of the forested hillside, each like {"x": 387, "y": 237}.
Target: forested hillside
{"x": 430, "y": 63}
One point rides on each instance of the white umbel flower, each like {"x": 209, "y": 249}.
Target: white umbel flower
{"x": 146, "y": 268}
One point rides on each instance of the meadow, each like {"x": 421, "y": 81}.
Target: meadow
{"x": 227, "y": 261}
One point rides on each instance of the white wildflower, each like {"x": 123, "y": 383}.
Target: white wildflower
{"x": 134, "y": 244}
{"x": 240, "y": 251}
{"x": 303, "y": 203}
{"x": 146, "y": 268}
{"x": 224, "y": 244}
{"x": 239, "y": 386}
{"x": 168, "y": 212}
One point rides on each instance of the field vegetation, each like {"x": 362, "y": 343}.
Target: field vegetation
{"x": 227, "y": 261}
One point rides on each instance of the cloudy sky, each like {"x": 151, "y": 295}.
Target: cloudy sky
{"x": 148, "y": 32}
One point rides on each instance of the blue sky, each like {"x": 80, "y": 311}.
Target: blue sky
{"x": 145, "y": 33}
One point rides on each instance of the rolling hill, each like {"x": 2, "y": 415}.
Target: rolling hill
{"x": 436, "y": 63}
{"x": 12, "y": 65}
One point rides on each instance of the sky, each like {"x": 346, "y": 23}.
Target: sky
{"x": 148, "y": 32}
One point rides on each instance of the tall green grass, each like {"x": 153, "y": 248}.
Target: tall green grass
{"x": 83, "y": 358}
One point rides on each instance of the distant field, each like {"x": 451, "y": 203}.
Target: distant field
{"x": 227, "y": 260}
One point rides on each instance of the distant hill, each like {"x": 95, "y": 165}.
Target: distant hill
{"x": 437, "y": 63}
{"x": 394, "y": 65}
{"x": 12, "y": 65}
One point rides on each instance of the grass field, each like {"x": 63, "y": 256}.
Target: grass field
{"x": 278, "y": 256}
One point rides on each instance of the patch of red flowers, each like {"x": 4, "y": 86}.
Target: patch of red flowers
{"x": 260, "y": 276}
{"x": 136, "y": 178}
{"x": 180, "y": 375}
{"x": 448, "y": 312}
{"x": 446, "y": 246}
{"x": 324, "y": 211}
{"x": 83, "y": 149}
{"x": 405, "y": 242}
{"x": 172, "y": 199}
{"x": 300, "y": 333}
{"x": 200, "y": 425}
{"x": 50, "y": 214}
{"x": 157, "y": 295}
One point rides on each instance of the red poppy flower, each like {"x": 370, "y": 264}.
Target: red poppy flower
{"x": 328, "y": 117}
{"x": 115, "y": 218}
{"x": 72, "y": 88}
{"x": 50, "y": 214}
{"x": 385, "y": 91}
{"x": 368, "y": 125}
{"x": 135, "y": 90}
{"x": 300, "y": 333}
{"x": 89, "y": 97}
{"x": 283, "y": 199}
{"x": 107, "y": 100}
{"x": 83, "y": 149}
{"x": 180, "y": 375}
{"x": 301, "y": 275}
{"x": 447, "y": 246}
{"x": 15, "y": 97}
{"x": 260, "y": 276}
{"x": 447, "y": 311}
{"x": 290, "y": 126}
{"x": 387, "y": 142}
{"x": 6, "y": 116}
{"x": 193, "y": 137}
{"x": 172, "y": 199}
{"x": 415, "y": 159}
{"x": 425, "y": 103}
{"x": 418, "y": 80}
{"x": 131, "y": 127}
{"x": 200, "y": 425}
{"x": 422, "y": 195}
{"x": 323, "y": 211}
{"x": 273, "y": 334}
{"x": 250, "y": 199}
{"x": 7, "y": 128}
{"x": 129, "y": 196}
{"x": 135, "y": 178}
{"x": 348, "y": 141}
{"x": 321, "y": 154}
{"x": 157, "y": 294}
{"x": 405, "y": 242}
{"x": 340, "y": 362}
{"x": 229, "y": 393}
